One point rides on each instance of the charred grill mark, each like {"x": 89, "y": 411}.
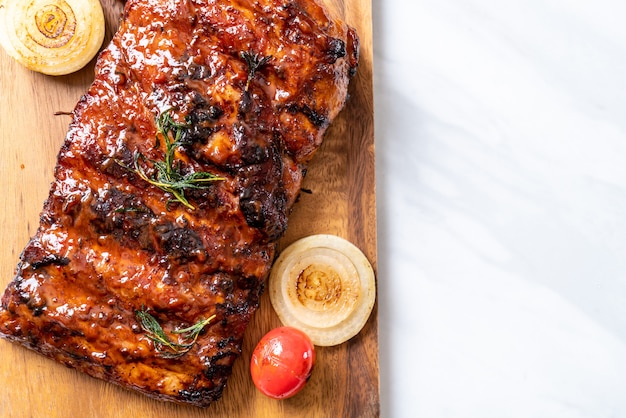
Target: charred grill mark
{"x": 199, "y": 72}
{"x": 264, "y": 211}
{"x": 179, "y": 243}
{"x": 37, "y": 310}
{"x": 254, "y": 153}
{"x": 116, "y": 166}
{"x": 193, "y": 71}
{"x": 52, "y": 259}
{"x": 223, "y": 343}
{"x": 336, "y": 49}
{"x": 132, "y": 224}
{"x": 201, "y": 396}
{"x": 78, "y": 357}
{"x": 229, "y": 310}
{"x": 28, "y": 296}
{"x": 123, "y": 217}
{"x": 317, "y": 119}
{"x": 262, "y": 199}
{"x": 219, "y": 283}
{"x": 252, "y": 149}
{"x": 59, "y": 332}
{"x": 201, "y": 123}
{"x": 248, "y": 283}
{"x": 218, "y": 366}
{"x": 248, "y": 148}
{"x": 205, "y": 198}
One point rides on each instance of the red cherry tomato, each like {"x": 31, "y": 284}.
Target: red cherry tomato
{"x": 282, "y": 362}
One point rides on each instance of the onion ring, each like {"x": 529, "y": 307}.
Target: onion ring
{"x": 54, "y": 37}
{"x": 324, "y": 286}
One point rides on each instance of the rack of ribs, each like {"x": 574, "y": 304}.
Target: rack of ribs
{"x": 175, "y": 181}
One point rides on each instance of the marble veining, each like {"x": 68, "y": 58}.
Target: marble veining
{"x": 501, "y": 166}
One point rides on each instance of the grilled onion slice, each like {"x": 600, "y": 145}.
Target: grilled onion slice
{"x": 324, "y": 286}
{"x": 54, "y": 37}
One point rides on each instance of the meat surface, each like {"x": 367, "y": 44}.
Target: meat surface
{"x": 175, "y": 180}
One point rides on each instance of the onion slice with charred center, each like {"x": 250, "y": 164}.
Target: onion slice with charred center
{"x": 54, "y": 37}
{"x": 324, "y": 286}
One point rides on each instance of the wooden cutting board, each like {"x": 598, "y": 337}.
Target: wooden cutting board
{"x": 345, "y": 381}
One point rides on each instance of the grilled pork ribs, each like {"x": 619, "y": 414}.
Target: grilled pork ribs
{"x": 175, "y": 180}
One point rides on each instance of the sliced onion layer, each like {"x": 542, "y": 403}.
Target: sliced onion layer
{"x": 324, "y": 286}
{"x": 54, "y": 37}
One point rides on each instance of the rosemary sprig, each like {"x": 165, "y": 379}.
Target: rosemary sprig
{"x": 155, "y": 332}
{"x": 254, "y": 62}
{"x": 164, "y": 346}
{"x": 193, "y": 331}
{"x": 169, "y": 175}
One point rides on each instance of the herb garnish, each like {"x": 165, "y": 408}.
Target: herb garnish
{"x": 254, "y": 62}
{"x": 164, "y": 346}
{"x": 169, "y": 175}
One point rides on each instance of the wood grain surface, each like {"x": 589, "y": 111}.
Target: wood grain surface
{"x": 345, "y": 381}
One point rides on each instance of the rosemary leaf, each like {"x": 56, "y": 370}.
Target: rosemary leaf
{"x": 169, "y": 175}
{"x": 194, "y": 330}
{"x": 155, "y": 332}
{"x": 164, "y": 346}
{"x": 254, "y": 63}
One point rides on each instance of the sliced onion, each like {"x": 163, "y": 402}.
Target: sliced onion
{"x": 54, "y": 37}
{"x": 324, "y": 286}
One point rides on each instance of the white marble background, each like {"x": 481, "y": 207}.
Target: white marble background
{"x": 501, "y": 164}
